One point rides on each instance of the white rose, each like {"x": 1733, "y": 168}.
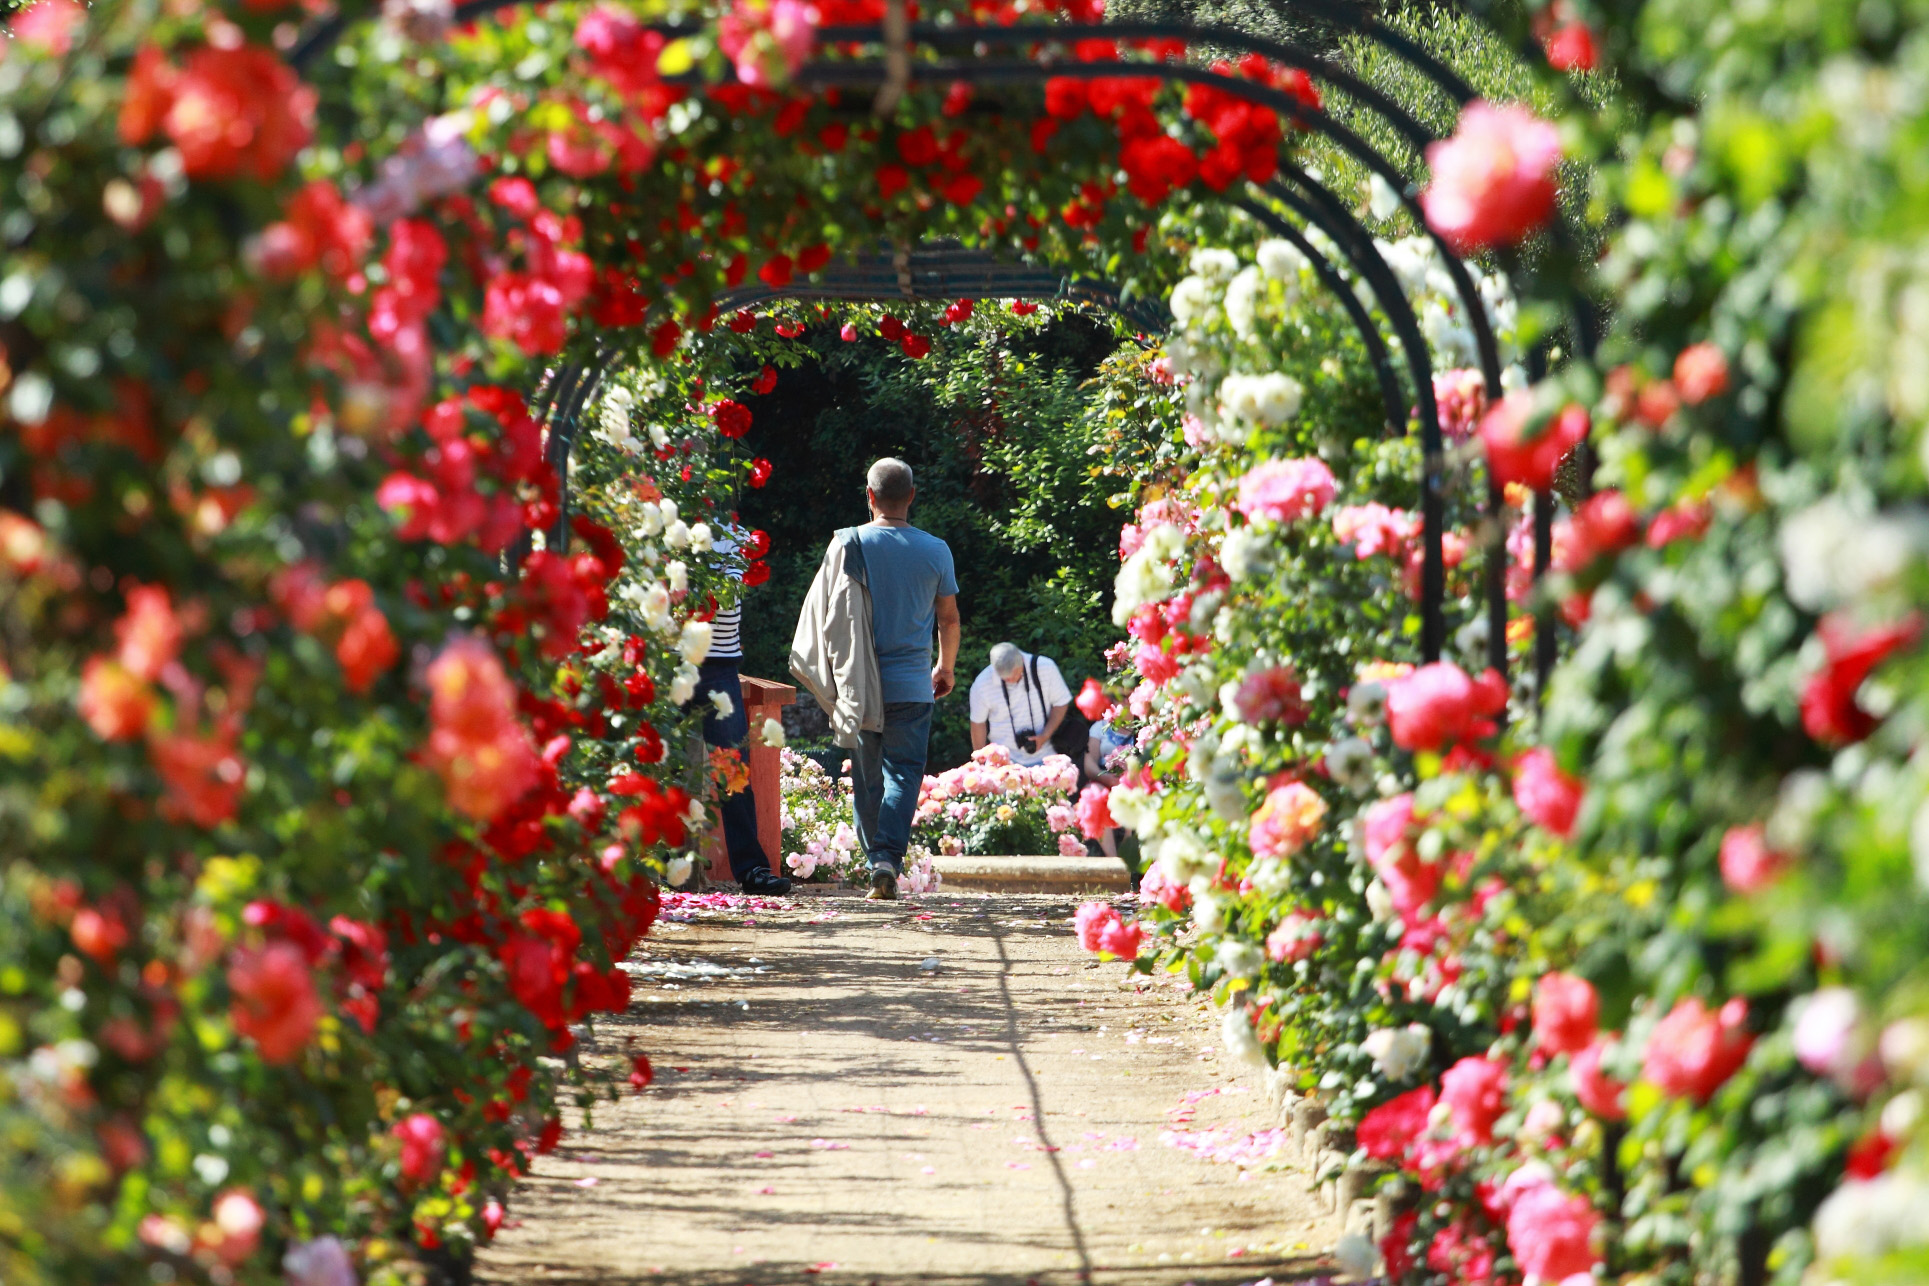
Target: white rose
{"x": 677, "y": 535}
{"x": 1873, "y": 1217}
{"x": 693, "y": 644}
{"x": 1270, "y": 876}
{"x": 678, "y": 871}
{"x": 1242, "y": 302}
{"x": 1236, "y": 1030}
{"x": 683, "y": 684}
{"x": 1366, "y": 702}
{"x": 1214, "y": 265}
{"x": 1226, "y": 795}
{"x": 1381, "y": 199}
{"x": 1239, "y": 959}
{"x": 701, "y": 538}
{"x": 1191, "y": 300}
{"x": 1269, "y": 399}
{"x": 649, "y": 520}
{"x": 655, "y": 608}
{"x": 1834, "y": 555}
{"x": 1379, "y": 902}
{"x": 1208, "y": 908}
{"x": 1350, "y": 760}
{"x": 774, "y": 734}
{"x": 1281, "y": 260}
{"x": 723, "y": 705}
{"x": 1133, "y": 809}
{"x": 668, "y": 506}
{"x": 1399, "y": 1051}
{"x": 1246, "y": 551}
{"x": 679, "y": 576}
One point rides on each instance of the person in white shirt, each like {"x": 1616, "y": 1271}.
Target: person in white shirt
{"x": 1018, "y": 701}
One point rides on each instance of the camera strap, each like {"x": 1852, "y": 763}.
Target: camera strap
{"x": 1031, "y": 681}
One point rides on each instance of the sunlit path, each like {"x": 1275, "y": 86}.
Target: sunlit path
{"x": 942, "y": 1091}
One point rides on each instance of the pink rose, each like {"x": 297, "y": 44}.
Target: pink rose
{"x": 1290, "y": 816}
{"x": 1694, "y": 1050}
{"x": 1833, "y": 1039}
{"x": 422, "y": 1141}
{"x": 1551, "y": 1233}
{"x": 1549, "y": 797}
{"x": 1094, "y": 809}
{"x": 1161, "y": 889}
{"x": 1120, "y": 938}
{"x": 1070, "y": 845}
{"x": 1598, "y": 1092}
{"x": 1374, "y": 529}
{"x": 1294, "y": 939}
{"x": 1748, "y": 864}
{"x": 1475, "y": 1090}
{"x": 1566, "y": 1013}
{"x": 1270, "y": 696}
{"x": 1494, "y": 180}
{"x": 1438, "y": 704}
{"x": 1286, "y": 490}
{"x": 1090, "y": 921}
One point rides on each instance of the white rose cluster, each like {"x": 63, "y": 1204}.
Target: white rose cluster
{"x": 1263, "y": 400}
{"x": 1147, "y": 576}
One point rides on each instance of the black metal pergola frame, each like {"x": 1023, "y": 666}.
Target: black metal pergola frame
{"x": 971, "y": 274}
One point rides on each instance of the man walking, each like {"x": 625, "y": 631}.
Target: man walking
{"x": 1018, "y": 701}
{"x": 914, "y": 592}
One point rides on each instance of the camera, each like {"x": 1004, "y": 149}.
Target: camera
{"x": 1028, "y": 742}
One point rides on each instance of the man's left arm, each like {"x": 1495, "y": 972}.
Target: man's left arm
{"x": 1057, "y": 693}
{"x": 944, "y": 674}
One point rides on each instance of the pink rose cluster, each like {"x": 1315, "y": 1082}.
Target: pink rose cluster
{"x": 1439, "y": 704}
{"x": 1375, "y": 529}
{"x": 1099, "y": 928}
{"x": 1286, "y": 490}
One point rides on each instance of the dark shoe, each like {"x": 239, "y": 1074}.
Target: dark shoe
{"x": 766, "y": 883}
{"x": 884, "y": 886}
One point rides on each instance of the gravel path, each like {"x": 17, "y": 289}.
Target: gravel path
{"x": 942, "y": 1090}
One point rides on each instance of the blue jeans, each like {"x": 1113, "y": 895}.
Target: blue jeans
{"x": 739, "y": 811}
{"x": 887, "y": 772}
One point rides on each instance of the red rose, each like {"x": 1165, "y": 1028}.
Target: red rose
{"x": 275, "y": 1004}
{"x": 1391, "y": 1128}
{"x": 915, "y": 345}
{"x": 1566, "y": 1013}
{"x": 1522, "y": 447}
{"x": 776, "y": 272}
{"x": 760, "y": 469}
{"x": 732, "y": 418}
{"x": 756, "y": 573}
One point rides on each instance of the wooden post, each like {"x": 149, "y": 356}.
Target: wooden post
{"x": 762, "y": 700}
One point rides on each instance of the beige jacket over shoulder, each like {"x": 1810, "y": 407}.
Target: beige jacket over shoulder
{"x": 833, "y": 653}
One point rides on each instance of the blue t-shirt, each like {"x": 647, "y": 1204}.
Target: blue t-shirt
{"x": 909, "y": 571}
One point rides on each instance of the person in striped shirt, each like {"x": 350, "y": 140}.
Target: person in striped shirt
{"x": 720, "y": 672}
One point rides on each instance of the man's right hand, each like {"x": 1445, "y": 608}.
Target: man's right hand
{"x": 943, "y": 680}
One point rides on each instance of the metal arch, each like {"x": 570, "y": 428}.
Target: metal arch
{"x": 1391, "y": 394}
{"x": 1313, "y": 119}
{"x": 943, "y": 270}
